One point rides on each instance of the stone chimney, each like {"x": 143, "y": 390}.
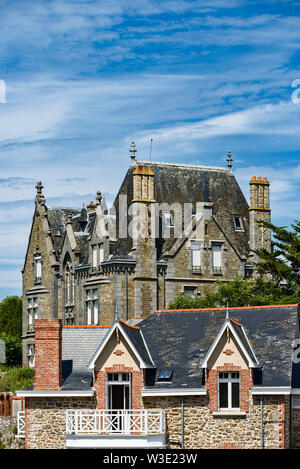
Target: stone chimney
{"x": 48, "y": 354}
{"x": 260, "y": 237}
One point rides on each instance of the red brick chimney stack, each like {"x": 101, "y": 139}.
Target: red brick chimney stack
{"x": 48, "y": 346}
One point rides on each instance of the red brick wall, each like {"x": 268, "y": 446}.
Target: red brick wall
{"x": 212, "y": 385}
{"x": 137, "y": 383}
{"x": 48, "y": 345}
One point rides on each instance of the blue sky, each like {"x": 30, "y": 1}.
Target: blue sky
{"x": 85, "y": 78}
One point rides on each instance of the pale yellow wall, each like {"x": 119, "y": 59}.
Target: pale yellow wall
{"x": 108, "y": 358}
{"x": 219, "y": 358}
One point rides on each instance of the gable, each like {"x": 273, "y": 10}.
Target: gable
{"x": 227, "y": 351}
{"x": 117, "y": 352}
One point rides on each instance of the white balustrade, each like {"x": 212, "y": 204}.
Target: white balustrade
{"x": 142, "y": 421}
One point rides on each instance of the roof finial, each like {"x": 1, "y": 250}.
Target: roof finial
{"x": 98, "y": 198}
{"x": 39, "y": 193}
{"x": 229, "y": 160}
{"x": 133, "y": 151}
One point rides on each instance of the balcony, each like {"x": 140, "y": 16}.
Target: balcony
{"x": 21, "y": 424}
{"x": 141, "y": 428}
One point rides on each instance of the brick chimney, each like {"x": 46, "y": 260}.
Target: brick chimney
{"x": 48, "y": 346}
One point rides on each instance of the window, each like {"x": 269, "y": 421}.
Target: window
{"x": 165, "y": 375}
{"x": 95, "y": 256}
{"x": 229, "y": 391}
{"x": 30, "y": 355}
{"x": 92, "y": 307}
{"x": 69, "y": 284}
{"x": 296, "y": 401}
{"x": 196, "y": 255}
{"x": 38, "y": 269}
{"x": 97, "y": 259}
{"x": 33, "y": 312}
{"x": 168, "y": 219}
{"x": 189, "y": 291}
{"x": 118, "y": 377}
{"x": 101, "y": 253}
{"x": 216, "y": 258}
{"x": 238, "y": 224}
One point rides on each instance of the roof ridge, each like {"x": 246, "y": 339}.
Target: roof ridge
{"x": 222, "y": 309}
{"x": 185, "y": 165}
{"x": 86, "y": 327}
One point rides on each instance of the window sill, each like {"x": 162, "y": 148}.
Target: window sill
{"x": 229, "y": 413}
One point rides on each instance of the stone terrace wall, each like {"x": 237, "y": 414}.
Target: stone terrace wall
{"x": 45, "y": 420}
{"x": 203, "y": 430}
{"x": 8, "y": 439}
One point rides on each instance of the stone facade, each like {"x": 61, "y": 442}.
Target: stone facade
{"x": 45, "y": 420}
{"x": 205, "y": 430}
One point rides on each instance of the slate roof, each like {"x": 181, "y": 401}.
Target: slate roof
{"x": 136, "y": 338}
{"x": 179, "y": 341}
{"x": 191, "y": 184}
{"x": 78, "y": 346}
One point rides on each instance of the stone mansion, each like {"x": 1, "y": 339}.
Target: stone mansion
{"x": 173, "y": 229}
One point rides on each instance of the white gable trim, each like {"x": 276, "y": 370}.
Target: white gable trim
{"x": 227, "y": 324}
{"x": 98, "y": 352}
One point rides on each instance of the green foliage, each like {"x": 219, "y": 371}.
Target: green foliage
{"x": 239, "y": 292}
{"x": 11, "y": 316}
{"x": 283, "y": 263}
{"x": 13, "y": 345}
{"x": 16, "y": 379}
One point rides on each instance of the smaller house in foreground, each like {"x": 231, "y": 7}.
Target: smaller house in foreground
{"x": 212, "y": 378}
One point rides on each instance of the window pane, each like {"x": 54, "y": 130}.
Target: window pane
{"x": 223, "y": 390}
{"x": 196, "y": 261}
{"x": 216, "y": 256}
{"x": 101, "y": 253}
{"x": 95, "y": 313}
{"x": 94, "y": 256}
{"x": 235, "y": 391}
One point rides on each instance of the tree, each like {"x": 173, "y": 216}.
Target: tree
{"x": 283, "y": 262}
{"x": 13, "y": 349}
{"x": 239, "y": 292}
{"x": 11, "y": 316}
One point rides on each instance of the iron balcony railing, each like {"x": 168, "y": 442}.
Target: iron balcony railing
{"x": 130, "y": 421}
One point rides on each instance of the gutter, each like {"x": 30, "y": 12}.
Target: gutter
{"x": 63, "y": 393}
{"x": 174, "y": 392}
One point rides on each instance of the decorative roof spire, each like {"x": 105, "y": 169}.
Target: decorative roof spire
{"x": 39, "y": 192}
{"x": 133, "y": 151}
{"x": 229, "y": 160}
{"x": 98, "y": 198}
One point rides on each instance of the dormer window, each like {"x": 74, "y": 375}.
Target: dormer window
{"x": 238, "y": 224}
{"x": 38, "y": 269}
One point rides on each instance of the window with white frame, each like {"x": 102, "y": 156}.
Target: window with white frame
{"x": 196, "y": 255}
{"x": 216, "y": 258}
{"x": 38, "y": 268}
{"x": 30, "y": 355}
{"x": 238, "y": 224}
{"x": 92, "y": 306}
{"x": 229, "y": 391}
{"x": 101, "y": 253}
{"x": 33, "y": 311}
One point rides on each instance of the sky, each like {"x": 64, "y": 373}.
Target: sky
{"x": 81, "y": 79}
